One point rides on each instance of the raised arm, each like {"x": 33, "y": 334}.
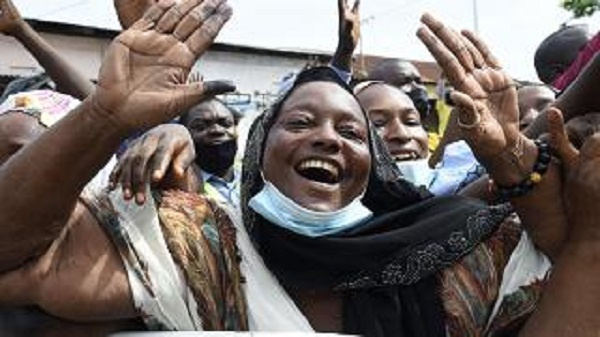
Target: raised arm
{"x": 142, "y": 83}
{"x": 579, "y": 98}
{"x": 68, "y": 79}
{"x": 348, "y": 35}
{"x": 488, "y": 117}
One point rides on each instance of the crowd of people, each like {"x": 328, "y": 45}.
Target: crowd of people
{"x": 360, "y": 206}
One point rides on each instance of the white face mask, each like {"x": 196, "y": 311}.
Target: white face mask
{"x": 417, "y": 171}
{"x": 284, "y": 212}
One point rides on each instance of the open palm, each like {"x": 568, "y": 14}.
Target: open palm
{"x": 143, "y": 80}
{"x": 486, "y": 98}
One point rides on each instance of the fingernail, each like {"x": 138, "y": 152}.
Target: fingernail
{"x": 166, "y": 3}
{"x": 156, "y": 176}
{"x": 140, "y": 198}
{"x": 127, "y": 194}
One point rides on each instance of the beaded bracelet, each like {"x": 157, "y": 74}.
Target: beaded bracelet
{"x": 540, "y": 167}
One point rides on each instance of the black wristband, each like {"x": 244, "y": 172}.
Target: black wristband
{"x": 544, "y": 157}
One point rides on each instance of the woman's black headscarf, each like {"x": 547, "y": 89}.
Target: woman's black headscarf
{"x": 386, "y": 269}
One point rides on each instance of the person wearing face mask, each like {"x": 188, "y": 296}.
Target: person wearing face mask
{"x": 405, "y": 76}
{"x": 398, "y": 123}
{"x": 213, "y": 127}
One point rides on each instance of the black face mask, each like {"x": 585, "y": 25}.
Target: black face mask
{"x": 420, "y": 100}
{"x": 216, "y": 159}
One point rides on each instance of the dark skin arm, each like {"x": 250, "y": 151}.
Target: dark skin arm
{"x": 142, "y": 83}
{"x": 486, "y": 99}
{"x": 571, "y": 299}
{"x": 68, "y": 79}
{"x": 348, "y": 34}
{"x": 578, "y": 99}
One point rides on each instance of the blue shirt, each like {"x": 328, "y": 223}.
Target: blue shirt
{"x": 458, "y": 168}
{"x": 230, "y": 191}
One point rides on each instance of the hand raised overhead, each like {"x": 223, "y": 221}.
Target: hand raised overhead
{"x": 486, "y": 98}
{"x": 10, "y": 18}
{"x": 142, "y": 82}
{"x": 349, "y": 24}
{"x": 348, "y": 34}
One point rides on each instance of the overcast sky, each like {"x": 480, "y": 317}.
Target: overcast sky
{"x": 513, "y": 28}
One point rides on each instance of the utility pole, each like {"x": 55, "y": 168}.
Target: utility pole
{"x": 364, "y": 22}
{"x": 475, "y": 17}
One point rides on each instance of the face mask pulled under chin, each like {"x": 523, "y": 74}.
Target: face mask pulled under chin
{"x": 417, "y": 172}
{"x": 216, "y": 158}
{"x": 284, "y": 212}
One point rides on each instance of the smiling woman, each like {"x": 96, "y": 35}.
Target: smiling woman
{"x": 321, "y": 160}
{"x": 357, "y": 247}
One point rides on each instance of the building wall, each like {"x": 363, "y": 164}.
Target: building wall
{"x": 85, "y": 53}
{"x": 253, "y": 74}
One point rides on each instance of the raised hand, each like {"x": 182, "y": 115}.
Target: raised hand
{"x": 348, "y": 33}
{"x": 10, "y": 18}
{"x": 485, "y": 95}
{"x": 142, "y": 82}
{"x": 161, "y": 156}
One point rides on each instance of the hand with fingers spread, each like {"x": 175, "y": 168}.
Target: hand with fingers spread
{"x": 142, "y": 82}
{"x": 488, "y": 118}
{"x": 349, "y": 34}
{"x": 10, "y": 18}
{"x": 162, "y": 156}
{"x": 485, "y": 96}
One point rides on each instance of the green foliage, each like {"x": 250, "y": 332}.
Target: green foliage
{"x": 581, "y": 7}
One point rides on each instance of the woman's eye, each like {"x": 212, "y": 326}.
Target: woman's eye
{"x": 413, "y": 122}
{"x": 298, "y": 123}
{"x": 227, "y": 124}
{"x": 379, "y": 123}
{"x": 352, "y": 134}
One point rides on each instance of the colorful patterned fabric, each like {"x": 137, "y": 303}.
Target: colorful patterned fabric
{"x": 469, "y": 289}
{"x": 202, "y": 240}
{"x": 47, "y": 106}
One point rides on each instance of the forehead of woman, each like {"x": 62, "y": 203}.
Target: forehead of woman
{"x": 324, "y": 99}
{"x": 384, "y": 97}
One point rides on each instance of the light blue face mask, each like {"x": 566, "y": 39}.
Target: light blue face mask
{"x": 284, "y": 212}
{"x": 417, "y": 171}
